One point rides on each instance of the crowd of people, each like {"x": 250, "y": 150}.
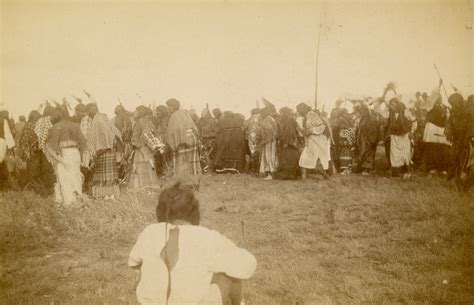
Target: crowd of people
{"x": 55, "y": 152}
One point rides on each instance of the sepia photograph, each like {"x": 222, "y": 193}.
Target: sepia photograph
{"x": 237, "y": 152}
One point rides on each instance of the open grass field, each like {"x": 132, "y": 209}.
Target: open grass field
{"x": 348, "y": 240}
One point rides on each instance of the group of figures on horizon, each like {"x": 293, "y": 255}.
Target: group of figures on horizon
{"x": 54, "y": 152}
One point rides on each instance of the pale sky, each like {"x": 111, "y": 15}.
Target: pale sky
{"x": 229, "y": 54}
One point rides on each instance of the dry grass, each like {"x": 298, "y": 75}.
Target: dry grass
{"x": 348, "y": 240}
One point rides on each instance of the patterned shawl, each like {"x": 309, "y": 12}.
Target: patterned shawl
{"x": 101, "y": 134}
{"x": 42, "y": 128}
{"x": 28, "y": 141}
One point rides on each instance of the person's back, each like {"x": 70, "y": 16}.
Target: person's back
{"x": 67, "y": 131}
{"x": 181, "y": 261}
{"x": 207, "y": 127}
{"x": 201, "y": 253}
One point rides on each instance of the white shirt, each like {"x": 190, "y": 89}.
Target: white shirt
{"x": 202, "y": 252}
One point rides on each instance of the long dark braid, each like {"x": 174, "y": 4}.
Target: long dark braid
{"x": 164, "y": 252}
{"x": 176, "y": 203}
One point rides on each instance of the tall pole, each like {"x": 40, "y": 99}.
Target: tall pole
{"x": 317, "y": 64}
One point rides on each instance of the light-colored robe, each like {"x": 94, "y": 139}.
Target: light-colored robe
{"x": 316, "y": 143}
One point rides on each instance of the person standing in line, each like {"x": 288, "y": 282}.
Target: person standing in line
{"x": 143, "y": 168}
{"x": 183, "y": 140}
{"x": 252, "y": 132}
{"x": 436, "y": 146}
{"x": 399, "y": 129}
{"x": 19, "y": 126}
{"x": 124, "y": 148}
{"x": 7, "y": 145}
{"x": 315, "y": 154}
{"x": 102, "y": 136}
{"x": 288, "y": 153}
{"x": 460, "y": 132}
{"x": 344, "y": 136}
{"x": 420, "y": 115}
{"x": 64, "y": 146}
{"x": 367, "y": 138}
{"x": 42, "y": 127}
{"x": 207, "y": 128}
{"x": 162, "y": 157}
{"x": 267, "y": 143}
{"x": 230, "y": 154}
{"x": 28, "y": 149}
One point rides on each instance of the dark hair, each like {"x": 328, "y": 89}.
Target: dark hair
{"x": 177, "y": 202}
{"x": 34, "y": 116}
{"x": 217, "y": 112}
{"x": 141, "y": 111}
{"x": 456, "y": 101}
{"x": 119, "y": 109}
{"x": 303, "y": 109}
{"x": 162, "y": 110}
{"x": 172, "y": 102}
{"x": 48, "y": 110}
{"x": 80, "y": 107}
{"x": 56, "y": 116}
{"x": 397, "y": 105}
{"x": 92, "y": 109}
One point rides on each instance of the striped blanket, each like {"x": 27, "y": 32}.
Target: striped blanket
{"x": 105, "y": 169}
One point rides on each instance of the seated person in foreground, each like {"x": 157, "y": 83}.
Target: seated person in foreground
{"x": 181, "y": 262}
